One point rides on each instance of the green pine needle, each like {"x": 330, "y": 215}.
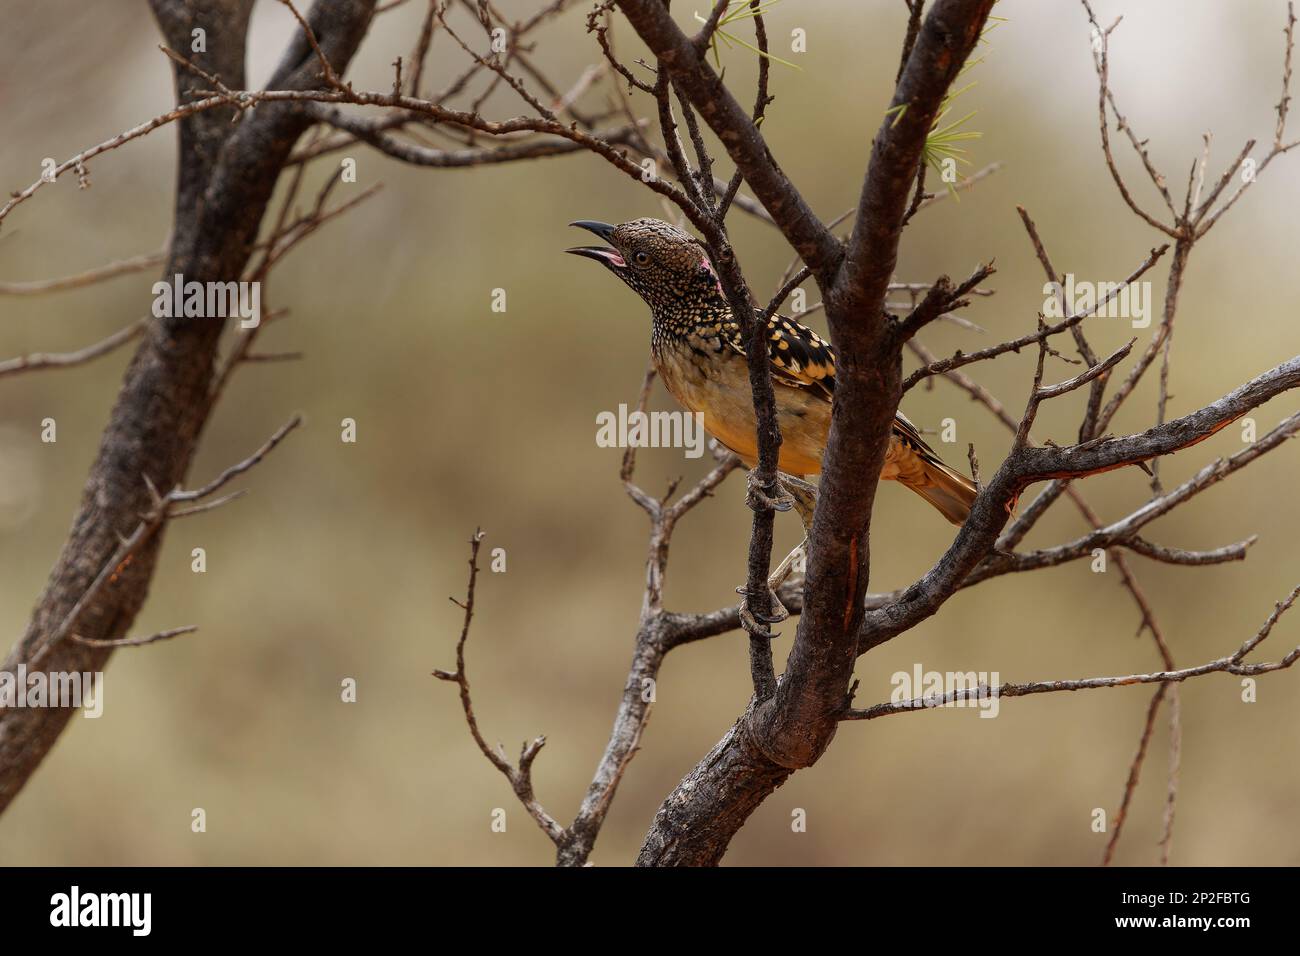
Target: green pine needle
{"x": 732, "y": 16}
{"x": 941, "y": 143}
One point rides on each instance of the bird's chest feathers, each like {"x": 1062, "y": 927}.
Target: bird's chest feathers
{"x": 708, "y": 377}
{"x": 700, "y": 371}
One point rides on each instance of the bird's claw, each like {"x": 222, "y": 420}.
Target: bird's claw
{"x": 758, "y": 622}
{"x": 758, "y": 499}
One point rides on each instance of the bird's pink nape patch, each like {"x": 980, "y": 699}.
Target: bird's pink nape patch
{"x": 707, "y": 266}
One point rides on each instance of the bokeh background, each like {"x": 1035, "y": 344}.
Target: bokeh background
{"x": 340, "y": 561}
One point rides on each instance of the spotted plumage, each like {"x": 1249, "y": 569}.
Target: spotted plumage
{"x": 699, "y": 350}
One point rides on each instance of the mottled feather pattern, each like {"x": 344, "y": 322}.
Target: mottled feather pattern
{"x": 800, "y": 357}
{"x": 803, "y": 359}
{"x": 699, "y": 350}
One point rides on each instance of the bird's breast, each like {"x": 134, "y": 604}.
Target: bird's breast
{"x": 716, "y": 385}
{"x": 696, "y": 370}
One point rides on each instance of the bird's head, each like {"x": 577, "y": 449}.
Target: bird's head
{"x": 667, "y": 267}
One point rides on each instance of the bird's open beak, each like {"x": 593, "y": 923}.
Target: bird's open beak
{"x": 604, "y": 254}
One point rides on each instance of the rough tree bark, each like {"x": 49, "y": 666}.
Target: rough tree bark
{"x": 225, "y": 177}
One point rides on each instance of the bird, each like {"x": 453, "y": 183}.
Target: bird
{"x": 698, "y": 349}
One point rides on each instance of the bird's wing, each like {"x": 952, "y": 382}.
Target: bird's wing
{"x": 803, "y": 359}
{"x": 800, "y": 357}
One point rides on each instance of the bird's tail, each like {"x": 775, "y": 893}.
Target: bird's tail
{"x": 951, "y": 492}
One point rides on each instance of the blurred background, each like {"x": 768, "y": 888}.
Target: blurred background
{"x": 339, "y": 562}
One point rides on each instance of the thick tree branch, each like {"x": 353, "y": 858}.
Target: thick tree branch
{"x": 226, "y": 172}
{"x": 1027, "y": 465}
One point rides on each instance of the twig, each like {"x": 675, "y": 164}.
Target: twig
{"x": 960, "y": 359}
{"x": 1134, "y": 772}
{"x": 112, "y": 270}
{"x": 1231, "y": 664}
{"x": 46, "y": 360}
{"x": 163, "y": 510}
{"x": 521, "y": 778}
{"x": 327, "y": 71}
{"x": 136, "y": 641}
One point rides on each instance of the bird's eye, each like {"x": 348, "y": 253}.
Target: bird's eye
{"x": 641, "y": 259}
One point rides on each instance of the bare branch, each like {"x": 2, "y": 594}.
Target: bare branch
{"x": 1101, "y": 41}
{"x": 960, "y": 359}
{"x": 327, "y": 71}
{"x": 46, "y": 360}
{"x": 150, "y": 523}
{"x": 521, "y": 778}
{"x": 1029, "y": 464}
{"x": 689, "y": 67}
{"x": 91, "y": 276}
{"x": 136, "y": 641}
{"x": 1134, "y": 772}
{"x": 369, "y": 131}
{"x": 1232, "y": 664}
{"x": 940, "y": 299}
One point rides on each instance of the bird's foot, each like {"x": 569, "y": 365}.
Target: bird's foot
{"x": 758, "y": 499}
{"x": 755, "y": 622}
{"x": 759, "y": 622}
